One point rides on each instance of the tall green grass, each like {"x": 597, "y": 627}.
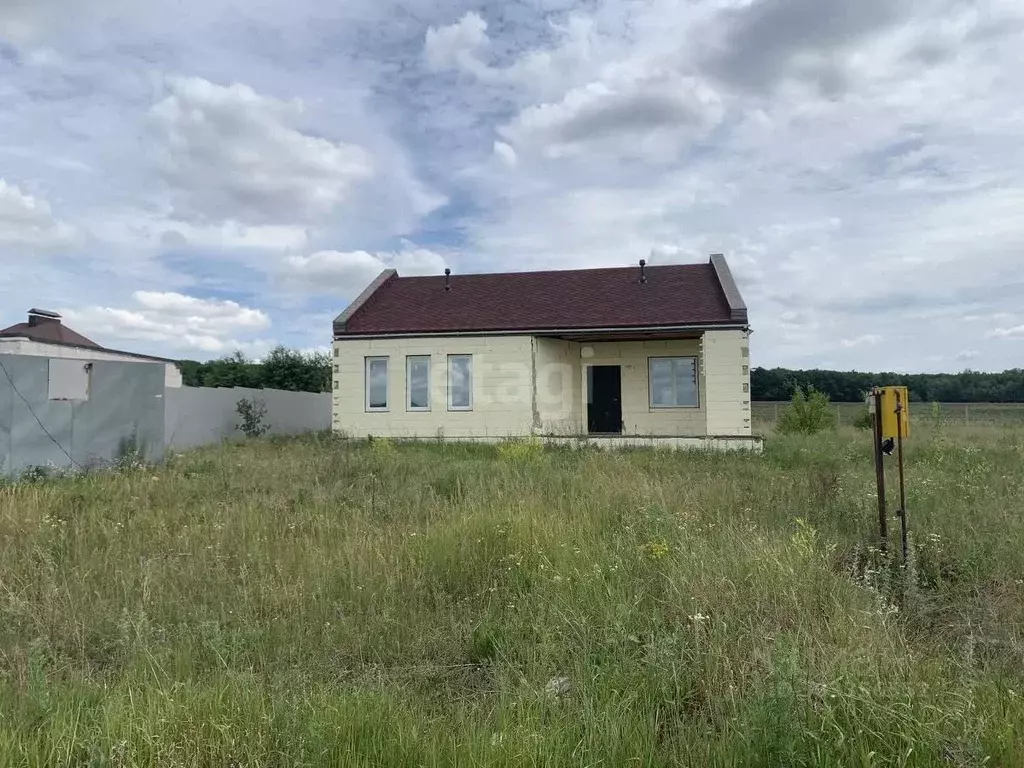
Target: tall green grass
{"x": 321, "y": 602}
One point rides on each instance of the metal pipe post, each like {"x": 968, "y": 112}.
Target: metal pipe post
{"x": 903, "y": 492}
{"x": 883, "y": 523}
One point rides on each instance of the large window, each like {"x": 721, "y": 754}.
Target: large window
{"x": 460, "y": 382}
{"x": 417, "y": 382}
{"x": 376, "y": 383}
{"x": 673, "y": 382}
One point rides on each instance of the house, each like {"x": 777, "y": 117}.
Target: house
{"x": 44, "y": 335}
{"x": 637, "y": 355}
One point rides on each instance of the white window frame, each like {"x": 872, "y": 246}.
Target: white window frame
{"x": 650, "y": 383}
{"x": 409, "y": 359}
{"x": 449, "y": 377}
{"x": 367, "y": 364}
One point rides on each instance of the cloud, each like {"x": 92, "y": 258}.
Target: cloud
{"x": 174, "y": 319}
{"x": 620, "y": 112}
{"x": 505, "y": 153}
{"x": 765, "y": 42}
{"x": 455, "y": 46}
{"x": 28, "y": 221}
{"x": 347, "y": 273}
{"x": 230, "y": 153}
{"x": 1012, "y": 332}
{"x": 866, "y": 340}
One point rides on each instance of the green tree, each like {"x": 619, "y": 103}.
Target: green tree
{"x": 282, "y": 368}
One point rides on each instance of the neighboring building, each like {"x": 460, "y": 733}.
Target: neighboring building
{"x": 639, "y": 354}
{"x": 44, "y": 335}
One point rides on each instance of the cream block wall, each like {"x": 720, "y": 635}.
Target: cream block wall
{"x": 557, "y": 383}
{"x": 726, "y": 365}
{"x": 503, "y": 387}
{"x": 638, "y": 417}
{"x": 524, "y": 385}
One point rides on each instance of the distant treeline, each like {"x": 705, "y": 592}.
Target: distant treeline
{"x": 281, "y": 369}
{"x": 773, "y": 384}
{"x": 290, "y": 369}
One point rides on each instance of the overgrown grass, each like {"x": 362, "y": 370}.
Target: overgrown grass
{"x": 319, "y": 602}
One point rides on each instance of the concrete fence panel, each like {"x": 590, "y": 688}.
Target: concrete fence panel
{"x": 198, "y": 416}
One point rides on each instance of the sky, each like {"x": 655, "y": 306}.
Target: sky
{"x": 186, "y": 179}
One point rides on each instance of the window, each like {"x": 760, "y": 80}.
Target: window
{"x": 376, "y": 383}
{"x": 69, "y": 379}
{"x": 417, "y": 382}
{"x": 673, "y": 382}
{"x": 460, "y": 382}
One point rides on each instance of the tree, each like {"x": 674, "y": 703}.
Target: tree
{"x": 776, "y": 384}
{"x": 282, "y": 368}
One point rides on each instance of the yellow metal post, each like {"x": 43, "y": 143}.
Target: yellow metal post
{"x": 894, "y": 398}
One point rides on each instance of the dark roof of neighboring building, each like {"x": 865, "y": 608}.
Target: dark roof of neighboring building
{"x": 51, "y": 331}
{"x": 677, "y": 295}
{"x": 46, "y": 327}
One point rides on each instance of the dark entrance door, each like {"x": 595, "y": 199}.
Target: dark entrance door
{"x": 604, "y": 399}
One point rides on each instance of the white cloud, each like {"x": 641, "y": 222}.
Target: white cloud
{"x": 175, "y": 320}
{"x": 1013, "y": 332}
{"x": 28, "y": 221}
{"x": 869, "y": 340}
{"x": 231, "y": 234}
{"x": 505, "y": 153}
{"x": 456, "y": 46}
{"x": 230, "y": 153}
{"x": 347, "y": 273}
{"x": 628, "y": 113}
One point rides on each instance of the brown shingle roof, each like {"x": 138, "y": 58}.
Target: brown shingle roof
{"x": 675, "y": 295}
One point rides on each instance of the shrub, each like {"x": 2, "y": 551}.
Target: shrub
{"x": 253, "y": 414}
{"x": 382, "y": 448}
{"x": 808, "y": 413}
{"x": 521, "y": 451}
{"x": 864, "y": 420}
{"x": 129, "y": 456}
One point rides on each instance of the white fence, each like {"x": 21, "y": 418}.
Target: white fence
{"x": 195, "y": 416}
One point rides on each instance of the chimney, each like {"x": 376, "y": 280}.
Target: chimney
{"x": 643, "y": 271}
{"x": 40, "y": 316}
{"x": 447, "y": 279}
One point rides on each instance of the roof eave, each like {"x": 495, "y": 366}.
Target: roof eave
{"x": 578, "y": 331}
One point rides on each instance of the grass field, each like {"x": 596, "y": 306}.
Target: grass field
{"x": 931, "y": 415}
{"x": 316, "y": 602}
